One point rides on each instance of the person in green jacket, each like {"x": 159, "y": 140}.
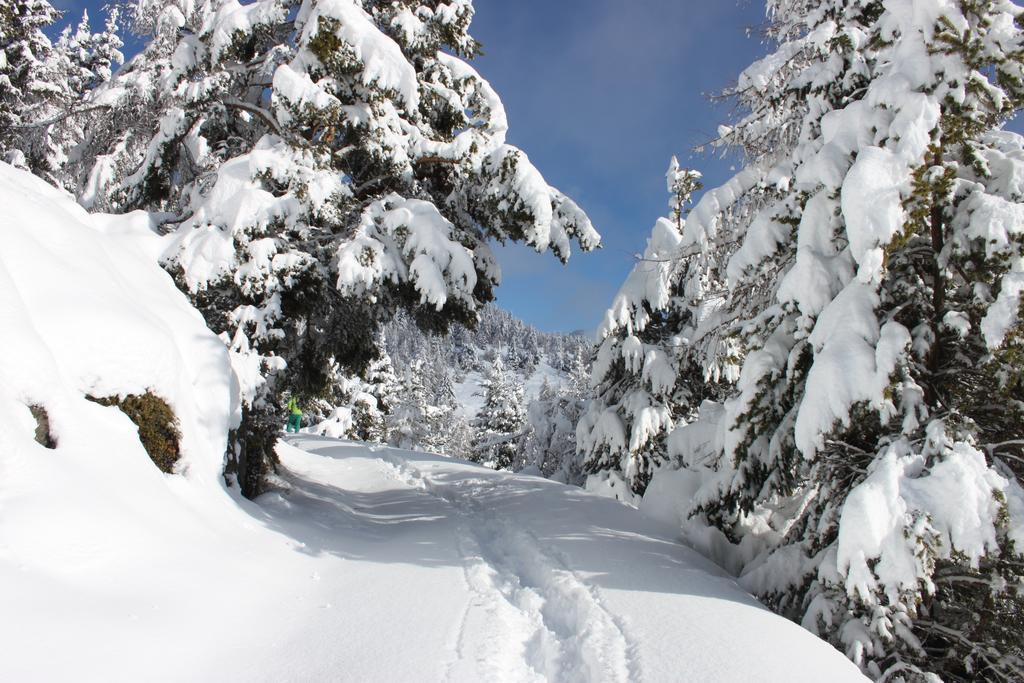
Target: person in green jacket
{"x": 294, "y": 416}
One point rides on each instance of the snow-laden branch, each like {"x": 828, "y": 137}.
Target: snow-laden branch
{"x": 259, "y": 111}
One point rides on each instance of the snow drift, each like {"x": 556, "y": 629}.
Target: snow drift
{"x": 84, "y": 313}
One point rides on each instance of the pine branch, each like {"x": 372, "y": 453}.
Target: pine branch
{"x": 60, "y": 117}
{"x": 429, "y": 160}
{"x": 259, "y": 111}
{"x": 999, "y": 671}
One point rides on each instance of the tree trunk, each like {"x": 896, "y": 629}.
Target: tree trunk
{"x": 251, "y": 455}
{"x": 938, "y": 236}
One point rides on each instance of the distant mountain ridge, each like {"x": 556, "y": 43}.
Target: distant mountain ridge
{"x": 520, "y": 345}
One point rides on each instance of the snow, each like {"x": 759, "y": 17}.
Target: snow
{"x": 953, "y": 501}
{"x": 487, "y": 120}
{"x": 379, "y": 564}
{"x": 518, "y": 187}
{"x": 648, "y": 281}
{"x": 703, "y": 222}
{"x": 853, "y": 363}
{"x": 233, "y": 19}
{"x": 872, "y": 207}
{"x": 439, "y": 267}
{"x": 469, "y": 395}
{"x": 383, "y": 63}
{"x": 1003, "y": 314}
{"x": 92, "y": 313}
{"x": 523, "y": 593}
{"x": 294, "y": 85}
{"x": 362, "y": 563}
{"x": 670, "y": 498}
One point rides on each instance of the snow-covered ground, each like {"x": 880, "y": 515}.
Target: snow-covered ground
{"x": 373, "y": 564}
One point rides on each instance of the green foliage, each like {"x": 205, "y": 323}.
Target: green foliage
{"x": 334, "y": 53}
{"x": 158, "y": 426}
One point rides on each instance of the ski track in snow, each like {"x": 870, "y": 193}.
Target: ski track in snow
{"x": 530, "y": 613}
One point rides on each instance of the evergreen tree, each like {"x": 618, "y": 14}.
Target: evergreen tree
{"x": 500, "y": 421}
{"x": 868, "y": 459}
{"x": 447, "y": 361}
{"x": 318, "y": 165}
{"x": 416, "y": 421}
{"x": 92, "y": 57}
{"x": 650, "y": 373}
{"x": 84, "y": 60}
{"x": 357, "y": 407}
{"x": 682, "y": 183}
{"x": 33, "y": 87}
{"x": 550, "y": 443}
{"x": 381, "y": 383}
{"x": 458, "y": 437}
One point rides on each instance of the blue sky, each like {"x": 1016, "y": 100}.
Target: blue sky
{"x": 600, "y": 94}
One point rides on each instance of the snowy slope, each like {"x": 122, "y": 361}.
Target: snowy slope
{"x": 84, "y": 312}
{"x": 385, "y": 565}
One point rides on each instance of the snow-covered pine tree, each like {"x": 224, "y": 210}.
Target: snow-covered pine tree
{"x": 869, "y": 460}
{"x": 465, "y": 350}
{"x": 359, "y": 406}
{"x": 682, "y": 183}
{"x": 550, "y": 442}
{"x": 119, "y": 123}
{"x": 421, "y": 406}
{"x": 458, "y": 436}
{"x": 84, "y": 61}
{"x": 499, "y": 424}
{"x": 92, "y": 57}
{"x": 416, "y": 421}
{"x": 381, "y": 383}
{"x": 649, "y": 374}
{"x": 540, "y": 447}
{"x": 319, "y": 164}
{"x": 34, "y": 90}
{"x": 451, "y": 426}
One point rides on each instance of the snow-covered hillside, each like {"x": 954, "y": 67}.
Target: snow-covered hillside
{"x": 469, "y": 391}
{"x": 373, "y": 564}
{"x": 85, "y": 313}
{"x": 533, "y": 357}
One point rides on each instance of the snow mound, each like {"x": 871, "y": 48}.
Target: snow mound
{"x": 87, "y": 313}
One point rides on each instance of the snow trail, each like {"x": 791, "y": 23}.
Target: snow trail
{"x": 374, "y": 565}
{"x": 574, "y": 637}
